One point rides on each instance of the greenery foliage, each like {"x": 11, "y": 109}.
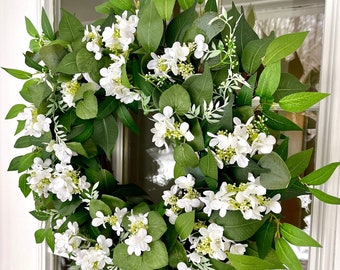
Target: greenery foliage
{"x": 214, "y": 90}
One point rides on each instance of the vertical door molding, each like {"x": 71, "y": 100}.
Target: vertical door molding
{"x": 326, "y": 218}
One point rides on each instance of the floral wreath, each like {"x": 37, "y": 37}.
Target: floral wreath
{"x": 213, "y": 89}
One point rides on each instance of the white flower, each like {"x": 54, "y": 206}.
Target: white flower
{"x": 171, "y": 215}
{"x": 94, "y": 41}
{"x": 263, "y": 144}
{"x": 273, "y": 204}
{"x": 184, "y": 129}
{"x": 62, "y": 152}
{"x": 187, "y": 203}
{"x": 35, "y": 124}
{"x": 239, "y": 249}
{"x": 137, "y": 243}
{"x": 67, "y": 242}
{"x": 99, "y": 220}
{"x": 104, "y": 243}
{"x": 40, "y": 176}
{"x": 201, "y": 46}
{"x": 185, "y": 182}
{"x": 183, "y": 266}
{"x": 178, "y": 52}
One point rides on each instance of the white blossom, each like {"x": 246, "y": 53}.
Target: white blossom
{"x": 201, "y": 46}
{"x": 35, "y": 124}
{"x": 138, "y": 243}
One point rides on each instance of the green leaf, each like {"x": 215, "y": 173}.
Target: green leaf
{"x": 299, "y": 162}
{"x": 296, "y": 236}
{"x": 52, "y": 55}
{"x": 287, "y": 255}
{"x": 86, "y": 61}
{"x": 277, "y": 121}
{"x": 321, "y": 175}
{"x": 88, "y": 107}
{"x": 198, "y": 143}
{"x": 322, "y": 196}
{"x": 125, "y": 261}
{"x": 70, "y": 28}
{"x": 156, "y": 225}
{"x": 157, "y": 257}
{"x": 282, "y": 149}
{"x": 107, "y": 107}
{"x": 289, "y": 84}
{"x": 236, "y": 227}
{"x": 179, "y": 25}
{"x": 283, "y": 46}
{"x": 40, "y": 235}
{"x": 46, "y": 26}
{"x": 185, "y": 224}
{"x": 208, "y": 165}
{"x": 218, "y": 265}
{"x": 121, "y": 4}
{"x": 210, "y": 29}
{"x": 40, "y": 215}
{"x": 32, "y": 60}
{"x": 165, "y": 8}
{"x": 24, "y": 186}
{"x": 264, "y": 239}
{"x": 39, "y": 93}
{"x": 98, "y": 205}
{"x": 269, "y": 80}
{"x": 246, "y": 262}
{"x": 15, "y": 110}
{"x": 177, "y": 254}
{"x": 253, "y": 53}
{"x": 113, "y": 201}
{"x": 176, "y": 97}
{"x": 19, "y": 74}
{"x": 78, "y": 148}
{"x": 185, "y": 156}
{"x": 26, "y": 161}
{"x": 126, "y": 118}
{"x": 150, "y": 28}
{"x": 50, "y": 238}
{"x": 185, "y": 4}
{"x": 105, "y": 134}
{"x": 27, "y": 141}
{"x": 211, "y": 5}
{"x": 30, "y": 28}
{"x": 14, "y": 164}
{"x": 245, "y": 96}
{"x": 300, "y": 102}
{"x": 107, "y": 182}
{"x": 80, "y": 217}
{"x": 68, "y": 64}
{"x": 279, "y": 176}
{"x": 200, "y": 87}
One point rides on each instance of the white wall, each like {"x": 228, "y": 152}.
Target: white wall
{"x": 17, "y": 245}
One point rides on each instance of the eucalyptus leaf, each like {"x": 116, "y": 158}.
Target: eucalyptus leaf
{"x": 210, "y": 29}
{"x": 279, "y": 176}
{"x": 88, "y": 107}
{"x": 98, "y": 205}
{"x": 157, "y": 257}
{"x": 321, "y": 175}
{"x": 300, "y": 102}
{"x": 39, "y": 93}
{"x": 236, "y": 227}
{"x": 52, "y": 55}
{"x": 125, "y": 261}
{"x": 177, "y": 254}
{"x": 200, "y": 87}
{"x": 176, "y": 97}
{"x": 185, "y": 156}
{"x": 185, "y": 224}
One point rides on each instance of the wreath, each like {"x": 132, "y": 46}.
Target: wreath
{"x": 214, "y": 91}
